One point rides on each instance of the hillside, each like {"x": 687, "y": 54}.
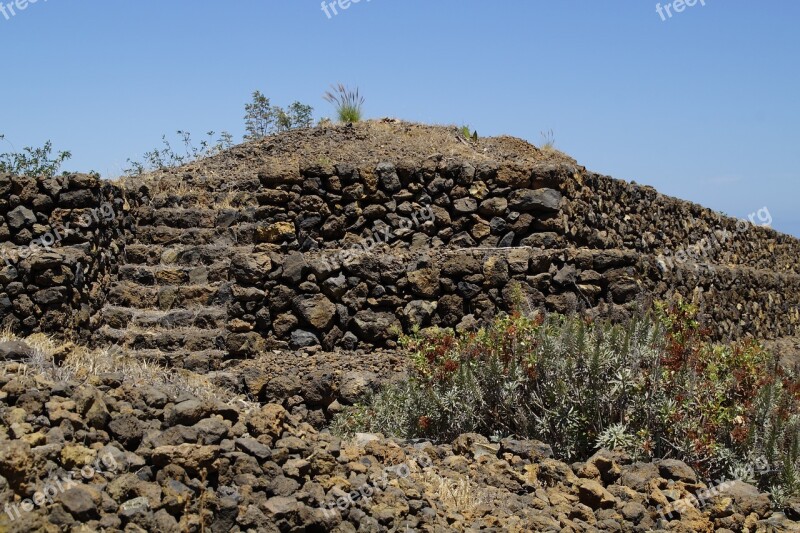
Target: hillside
{"x": 210, "y": 320}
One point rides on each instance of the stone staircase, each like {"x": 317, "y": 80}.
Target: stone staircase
{"x": 169, "y": 303}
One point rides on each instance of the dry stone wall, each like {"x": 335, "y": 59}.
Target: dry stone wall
{"x": 348, "y": 256}
{"x": 60, "y": 240}
{"x": 602, "y": 212}
{"x": 353, "y": 255}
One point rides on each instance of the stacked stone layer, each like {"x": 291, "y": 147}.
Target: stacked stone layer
{"x": 348, "y": 256}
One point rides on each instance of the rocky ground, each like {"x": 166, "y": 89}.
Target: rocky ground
{"x": 129, "y": 448}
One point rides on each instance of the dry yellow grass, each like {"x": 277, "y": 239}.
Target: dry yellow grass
{"x": 459, "y": 493}
{"x": 363, "y": 144}
{"x": 57, "y": 361}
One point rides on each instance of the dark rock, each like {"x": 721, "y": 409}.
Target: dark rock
{"x": 303, "y": 339}
{"x": 80, "y": 501}
{"x": 465, "y": 205}
{"x": 187, "y": 412}
{"x": 638, "y": 476}
{"x": 371, "y": 325}
{"x": 527, "y": 449}
{"x": 253, "y": 447}
{"x": 677, "y": 470}
{"x": 15, "y": 351}
{"x": 387, "y": 175}
{"x": 538, "y": 200}
{"x": 211, "y": 430}
{"x": 127, "y": 429}
{"x": 567, "y": 276}
{"x": 20, "y": 217}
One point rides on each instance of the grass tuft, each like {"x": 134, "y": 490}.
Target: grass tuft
{"x": 348, "y": 103}
{"x": 59, "y": 362}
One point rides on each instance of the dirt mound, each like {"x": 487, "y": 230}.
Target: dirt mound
{"x": 361, "y": 144}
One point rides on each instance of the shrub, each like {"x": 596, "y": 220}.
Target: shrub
{"x": 655, "y": 387}
{"x": 168, "y": 157}
{"x": 348, "y": 103}
{"x": 33, "y": 162}
{"x": 262, "y": 118}
{"x": 296, "y": 116}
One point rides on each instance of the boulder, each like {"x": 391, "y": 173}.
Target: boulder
{"x": 15, "y": 351}
{"x": 535, "y": 200}
{"x": 21, "y": 217}
{"x": 594, "y": 495}
{"x": 316, "y": 310}
{"x": 374, "y": 326}
{"x": 276, "y": 233}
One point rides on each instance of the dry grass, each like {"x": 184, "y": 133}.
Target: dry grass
{"x": 84, "y": 365}
{"x": 363, "y": 144}
{"x": 459, "y": 494}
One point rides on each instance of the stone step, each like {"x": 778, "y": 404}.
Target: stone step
{"x": 192, "y": 217}
{"x": 223, "y": 195}
{"x": 169, "y": 340}
{"x": 174, "y": 275}
{"x": 186, "y": 255}
{"x": 201, "y": 361}
{"x": 200, "y": 317}
{"x": 242, "y": 234}
{"x": 165, "y": 297}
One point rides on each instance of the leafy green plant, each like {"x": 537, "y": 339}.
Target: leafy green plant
{"x": 259, "y": 117}
{"x": 655, "y": 387}
{"x": 348, "y": 103}
{"x": 33, "y": 162}
{"x": 296, "y": 116}
{"x": 262, "y": 118}
{"x": 467, "y": 134}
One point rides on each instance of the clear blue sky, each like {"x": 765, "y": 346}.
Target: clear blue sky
{"x": 703, "y": 106}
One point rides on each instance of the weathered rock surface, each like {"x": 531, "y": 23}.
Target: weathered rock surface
{"x": 246, "y": 467}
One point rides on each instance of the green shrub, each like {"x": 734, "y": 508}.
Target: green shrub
{"x": 262, "y": 118}
{"x": 296, "y": 116}
{"x": 33, "y": 162}
{"x": 655, "y": 387}
{"x": 348, "y": 103}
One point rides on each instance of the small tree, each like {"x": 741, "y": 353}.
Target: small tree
{"x": 297, "y": 116}
{"x": 33, "y": 162}
{"x": 259, "y": 118}
{"x": 262, "y": 118}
